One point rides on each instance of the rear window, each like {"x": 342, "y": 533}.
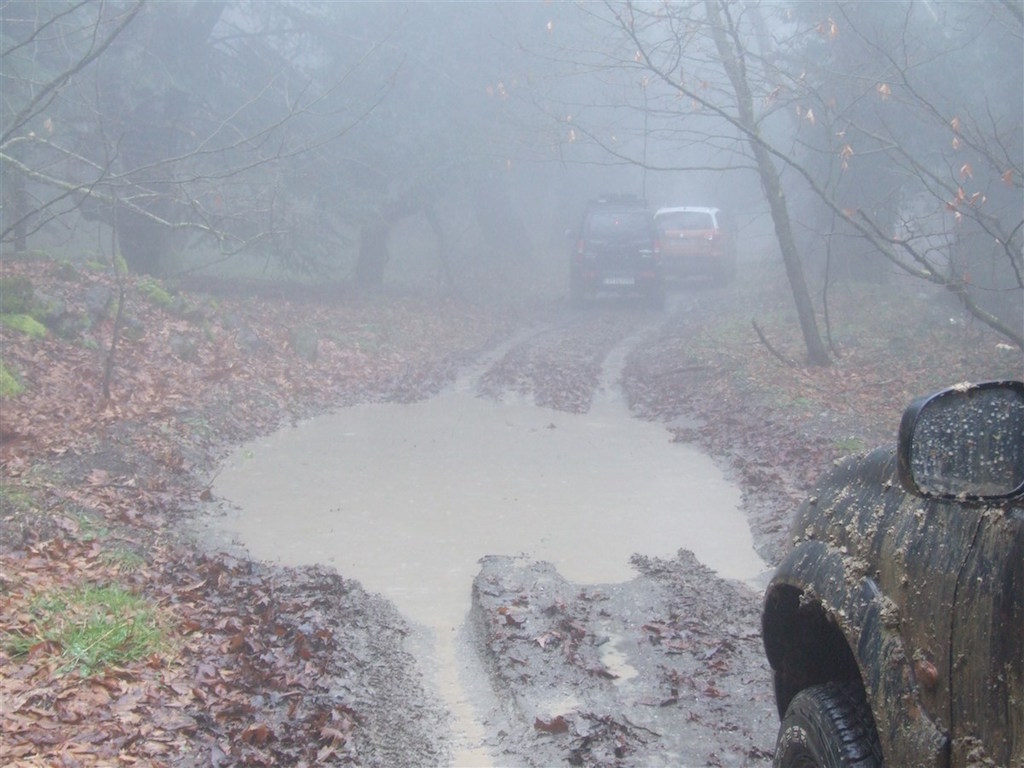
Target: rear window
{"x": 686, "y": 220}
{"x": 615, "y": 223}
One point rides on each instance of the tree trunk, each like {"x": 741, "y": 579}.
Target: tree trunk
{"x": 373, "y": 254}
{"x": 442, "y": 252}
{"x": 817, "y": 354}
{"x": 19, "y": 206}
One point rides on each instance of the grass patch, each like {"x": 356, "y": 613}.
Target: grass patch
{"x": 89, "y": 628}
{"x": 124, "y": 560}
{"x": 849, "y": 444}
{"x": 14, "y": 500}
{"x": 9, "y": 384}
{"x": 24, "y": 323}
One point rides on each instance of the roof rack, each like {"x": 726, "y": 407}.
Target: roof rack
{"x": 619, "y": 198}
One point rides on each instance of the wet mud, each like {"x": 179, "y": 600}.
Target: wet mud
{"x": 541, "y": 543}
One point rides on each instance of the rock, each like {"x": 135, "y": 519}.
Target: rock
{"x": 134, "y": 329}
{"x": 72, "y": 325}
{"x": 183, "y": 347}
{"x": 304, "y": 342}
{"x": 97, "y": 301}
{"x": 249, "y": 341}
{"x": 51, "y": 310}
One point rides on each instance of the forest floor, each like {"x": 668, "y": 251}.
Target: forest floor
{"x": 104, "y": 456}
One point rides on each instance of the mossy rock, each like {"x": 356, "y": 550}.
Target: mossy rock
{"x": 24, "y": 323}
{"x": 15, "y": 295}
{"x": 47, "y": 309}
{"x": 67, "y": 272}
{"x": 132, "y": 329}
{"x": 183, "y": 347}
{"x": 156, "y": 294}
{"x": 9, "y": 384}
{"x": 304, "y": 342}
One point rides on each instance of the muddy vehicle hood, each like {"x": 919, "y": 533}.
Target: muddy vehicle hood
{"x": 930, "y": 596}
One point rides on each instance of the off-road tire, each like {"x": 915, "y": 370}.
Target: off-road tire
{"x": 828, "y": 726}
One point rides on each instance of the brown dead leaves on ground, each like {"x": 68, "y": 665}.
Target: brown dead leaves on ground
{"x": 250, "y": 669}
{"x": 242, "y": 681}
{"x": 238, "y": 353}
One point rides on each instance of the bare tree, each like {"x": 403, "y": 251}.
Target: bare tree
{"x": 168, "y": 121}
{"x": 923, "y": 149}
{"x": 925, "y": 173}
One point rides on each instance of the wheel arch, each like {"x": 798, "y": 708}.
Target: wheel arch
{"x": 804, "y": 639}
{"x": 842, "y": 629}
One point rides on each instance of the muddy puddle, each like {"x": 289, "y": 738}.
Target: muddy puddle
{"x": 406, "y": 498}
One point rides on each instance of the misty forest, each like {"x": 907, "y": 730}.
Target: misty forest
{"x": 221, "y": 218}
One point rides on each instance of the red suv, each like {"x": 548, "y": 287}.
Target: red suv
{"x": 696, "y": 241}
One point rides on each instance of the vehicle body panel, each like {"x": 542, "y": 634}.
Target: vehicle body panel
{"x": 616, "y": 251}
{"x": 927, "y": 594}
{"x": 695, "y": 241}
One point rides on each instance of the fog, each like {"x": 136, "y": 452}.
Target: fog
{"x": 303, "y": 138}
{"x": 391, "y": 174}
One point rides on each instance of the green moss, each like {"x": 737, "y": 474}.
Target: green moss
{"x": 24, "y": 323}
{"x": 156, "y": 294}
{"x": 9, "y": 384}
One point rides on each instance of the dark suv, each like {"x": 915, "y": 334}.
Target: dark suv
{"x": 895, "y": 626}
{"x": 617, "y": 251}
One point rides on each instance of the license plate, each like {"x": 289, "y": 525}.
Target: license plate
{"x": 619, "y": 281}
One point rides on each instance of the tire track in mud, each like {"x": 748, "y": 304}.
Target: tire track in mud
{"x": 410, "y": 540}
{"x": 663, "y": 670}
{"x": 562, "y": 365}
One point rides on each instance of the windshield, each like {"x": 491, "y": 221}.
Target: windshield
{"x": 612, "y": 224}
{"x": 686, "y": 220}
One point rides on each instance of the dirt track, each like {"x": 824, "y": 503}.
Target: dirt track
{"x": 665, "y": 669}
{"x": 281, "y": 666}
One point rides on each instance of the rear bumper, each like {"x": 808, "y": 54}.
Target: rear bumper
{"x": 695, "y": 263}
{"x": 593, "y": 280}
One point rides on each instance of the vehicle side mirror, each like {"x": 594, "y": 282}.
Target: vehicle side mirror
{"x": 965, "y": 443}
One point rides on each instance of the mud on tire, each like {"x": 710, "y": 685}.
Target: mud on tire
{"x": 828, "y": 726}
